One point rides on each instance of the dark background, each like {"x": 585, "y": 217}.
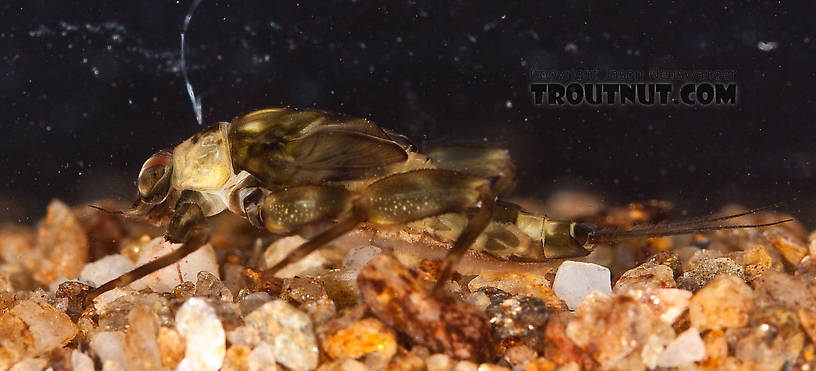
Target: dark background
{"x": 88, "y": 90}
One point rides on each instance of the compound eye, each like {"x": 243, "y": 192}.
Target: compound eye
{"x": 154, "y": 179}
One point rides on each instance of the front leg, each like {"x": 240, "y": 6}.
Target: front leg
{"x": 186, "y": 226}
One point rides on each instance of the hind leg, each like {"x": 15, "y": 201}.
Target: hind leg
{"x": 483, "y": 162}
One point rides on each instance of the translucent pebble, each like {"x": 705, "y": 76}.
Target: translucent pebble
{"x": 807, "y": 318}
{"x": 610, "y": 327}
{"x": 320, "y": 310}
{"x": 246, "y": 335}
{"x": 197, "y": 322}
{"x": 32, "y": 328}
{"x": 519, "y": 319}
{"x": 114, "y": 315}
{"x": 106, "y": 269}
{"x": 465, "y": 366}
{"x": 725, "y": 302}
{"x": 345, "y": 365}
{"x": 341, "y": 287}
{"x": 792, "y": 249}
{"x": 408, "y": 361}
{"x": 645, "y": 276}
{"x": 686, "y": 348}
{"x": 289, "y": 332}
{"x": 575, "y": 280}
{"x": 519, "y": 355}
{"x": 756, "y": 261}
{"x": 479, "y": 299}
{"x": 300, "y": 290}
{"x": 232, "y": 277}
{"x": 279, "y": 249}
{"x": 523, "y": 283}
{"x": 492, "y": 367}
{"x": 436, "y": 320}
{"x": 262, "y": 358}
{"x": 359, "y": 256}
{"x": 716, "y": 344}
{"x": 209, "y": 285}
{"x": 172, "y": 347}
{"x": 773, "y": 338}
{"x": 16, "y": 247}
{"x": 63, "y": 245}
{"x": 780, "y": 289}
{"x": 668, "y": 304}
{"x": 360, "y": 338}
{"x": 30, "y": 364}
{"x": 5, "y": 284}
{"x": 254, "y": 300}
{"x": 141, "y": 348}
{"x": 108, "y": 346}
{"x": 237, "y": 358}
{"x": 171, "y": 276}
{"x": 81, "y": 362}
{"x": 652, "y": 348}
{"x": 439, "y": 362}
{"x": 541, "y": 364}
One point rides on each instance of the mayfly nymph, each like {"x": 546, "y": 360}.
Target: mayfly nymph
{"x": 285, "y": 170}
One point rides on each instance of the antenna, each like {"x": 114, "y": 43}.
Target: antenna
{"x": 196, "y": 101}
{"x": 115, "y": 212}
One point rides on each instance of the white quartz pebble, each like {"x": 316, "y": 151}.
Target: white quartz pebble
{"x": 686, "y": 348}
{"x": 106, "y": 269}
{"x": 186, "y": 269}
{"x": 575, "y": 280}
{"x": 197, "y": 322}
{"x": 108, "y": 346}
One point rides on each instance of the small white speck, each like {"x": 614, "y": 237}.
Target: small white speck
{"x": 508, "y": 104}
{"x": 767, "y": 46}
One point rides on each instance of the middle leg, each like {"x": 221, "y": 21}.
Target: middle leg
{"x": 396, "y": 199}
